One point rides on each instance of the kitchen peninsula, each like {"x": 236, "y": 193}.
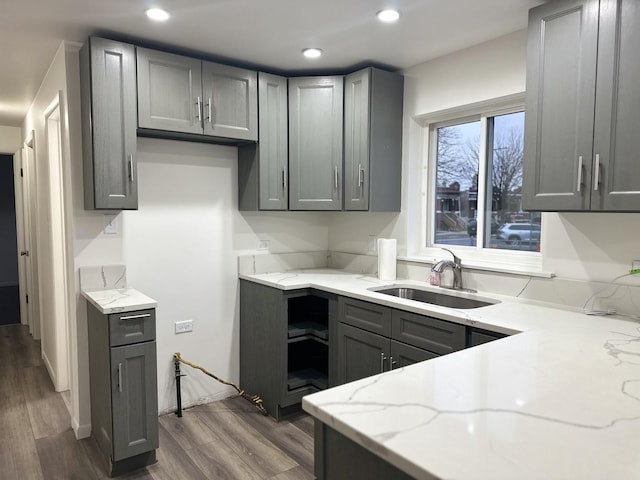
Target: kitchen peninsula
{"x": 560, "y": 399}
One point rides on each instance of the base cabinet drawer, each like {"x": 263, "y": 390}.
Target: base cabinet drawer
{"x": 438, "y": 336}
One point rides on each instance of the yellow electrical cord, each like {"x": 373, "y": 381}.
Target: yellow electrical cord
{"x": 255, "y": 399}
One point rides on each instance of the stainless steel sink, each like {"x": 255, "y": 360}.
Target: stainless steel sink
{"x": 435, "y": 298}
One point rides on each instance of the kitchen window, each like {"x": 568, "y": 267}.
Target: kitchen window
{"x": 474, "y": 186}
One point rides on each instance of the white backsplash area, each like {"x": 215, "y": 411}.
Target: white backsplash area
{"x": 103, "y": 277}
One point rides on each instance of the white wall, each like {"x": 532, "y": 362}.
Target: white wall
{"x": 582, "y": 246}
{"x": 10, "y": 139}
{"x": 181, "y": 247}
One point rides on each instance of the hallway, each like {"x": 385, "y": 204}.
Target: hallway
{"x": 226, "y": 440}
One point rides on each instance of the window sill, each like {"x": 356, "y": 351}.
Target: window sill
{"x": 494, "y": 267}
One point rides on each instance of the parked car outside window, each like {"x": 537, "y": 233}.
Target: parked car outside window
{"x": 518, "y": 233}
{"x": 472, "y": 227}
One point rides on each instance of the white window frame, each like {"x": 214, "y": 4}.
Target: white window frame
{"x": 478, "y": 256}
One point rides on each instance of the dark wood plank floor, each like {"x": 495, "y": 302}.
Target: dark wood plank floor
{"x": 226, "y": 440}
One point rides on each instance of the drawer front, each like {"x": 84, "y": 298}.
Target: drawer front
{"x": 478, "y": 337}
{"x": 368, "y": 316}
{"x": 428, "y": 333}
{"x": 132, "y": 327}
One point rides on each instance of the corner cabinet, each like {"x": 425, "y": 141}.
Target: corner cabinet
{"x": 263, "y": 168}
{"x": 289, "y": 332}
{"x": 123, "y": 383}
{"x": 108, "y": 110}
{"x": 186, "y": 95}
{"x": 315, "y": 143}
{"x": 373, "y": 106}
{"x": 583, "y": 101}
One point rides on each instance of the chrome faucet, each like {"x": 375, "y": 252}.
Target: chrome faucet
{"x": 456, "y": 268}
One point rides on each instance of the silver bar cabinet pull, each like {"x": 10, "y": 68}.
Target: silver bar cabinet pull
{"x": 382, "y": 359}
{"x": 284, "y": 179}
{"x": 198, "y": 116}
{"x": 360, "y": 175}
{"x": 392, "y": 362}
{"x": 596, "y": 180}
{"x": 120, "y": 377}
{"x": 133, "y": 317}
{"x": 335, "y": 176}
{"x": 580, "y": 167}
{"x": 210, "y": 118}
{"x": 130, "y": 162}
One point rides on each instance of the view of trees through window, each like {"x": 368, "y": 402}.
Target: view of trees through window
{"x": 460, "y": 182}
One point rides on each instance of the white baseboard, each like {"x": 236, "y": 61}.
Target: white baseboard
{"x": 81, "y": 431}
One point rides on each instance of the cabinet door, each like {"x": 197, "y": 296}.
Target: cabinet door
{"x": 360, "y": 353}
{"x": 108, "y": 79}
{"x": 403, "y": 355}
{"x": 315, "y": 143}
{"x": 616, "y": 140}
{"x": 356, "y": 140}
{"x": 561, "y": 74}
{"x": 263, "y": 168}
{"x": 373, "y": 101}
{"x": 230, "y": 101}
{"x": 169, "y": 92}
{"x": 134, "y": 399}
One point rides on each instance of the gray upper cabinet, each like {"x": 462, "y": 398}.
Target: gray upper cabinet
{"x": 169, "y": 92}
{"x": 581, "y": 60}
{"x": 263, "y": 168}
{"x": 186, "y": 95}
{"x": 230, "y": 102}
{"x": 373, "y": 101}
{"x": 315, "y": 143}
{"x": 616, "y": 185}
{"x": 108, "y": 91}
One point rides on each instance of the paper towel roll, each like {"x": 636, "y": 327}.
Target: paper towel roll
{"x": 387, "y": 258}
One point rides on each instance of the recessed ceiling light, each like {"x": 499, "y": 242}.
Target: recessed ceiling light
{"x": 388, "y": 15}
{"x": 312, "y": 52}
{"x": 157, "y": 14}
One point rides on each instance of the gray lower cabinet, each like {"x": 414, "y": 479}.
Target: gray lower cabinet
{"x": 315, "y": 143}
{"x": 286, "y": 340}
{"x": 337, "y": 457}
{"x": 191, "y": 96}
{"x": 373, "y": 105}
{"x": 360, "y": 353}
{"x": 263, "y": 168}
{"x": 123, "y": 383}
{"x": 108, "y": 111}
{"x": 373, "y": 339}
{"x": 479, "y": 337}
{"x": 583, "y": 99}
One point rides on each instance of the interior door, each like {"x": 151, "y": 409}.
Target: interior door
{"x": 22, "y": 251}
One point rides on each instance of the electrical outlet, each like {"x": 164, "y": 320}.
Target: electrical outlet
{"x": 264, "y": 245}
{"x": 110, "y": 224}
{"x": 184, "y": 326}
{"x": 373, "y": 243}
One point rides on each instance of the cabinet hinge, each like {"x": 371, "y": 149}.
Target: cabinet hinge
{"x": 27, "y": 296}
{"x": 21, "y": 172}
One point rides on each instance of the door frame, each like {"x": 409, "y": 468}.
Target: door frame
{"x": 58, "y": 287}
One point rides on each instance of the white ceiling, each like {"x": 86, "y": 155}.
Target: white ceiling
{"x": 269, "y": 33}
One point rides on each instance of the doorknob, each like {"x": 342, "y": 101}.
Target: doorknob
{"x": 24, "y": 253}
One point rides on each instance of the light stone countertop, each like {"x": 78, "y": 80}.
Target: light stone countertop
{"x": 119, "y": 300}
{"x": 561, "y": 400}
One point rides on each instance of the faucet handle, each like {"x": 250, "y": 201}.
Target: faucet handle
{"x": 456, "y": 259}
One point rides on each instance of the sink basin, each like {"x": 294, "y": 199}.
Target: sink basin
{"x": 435, "y": 298}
